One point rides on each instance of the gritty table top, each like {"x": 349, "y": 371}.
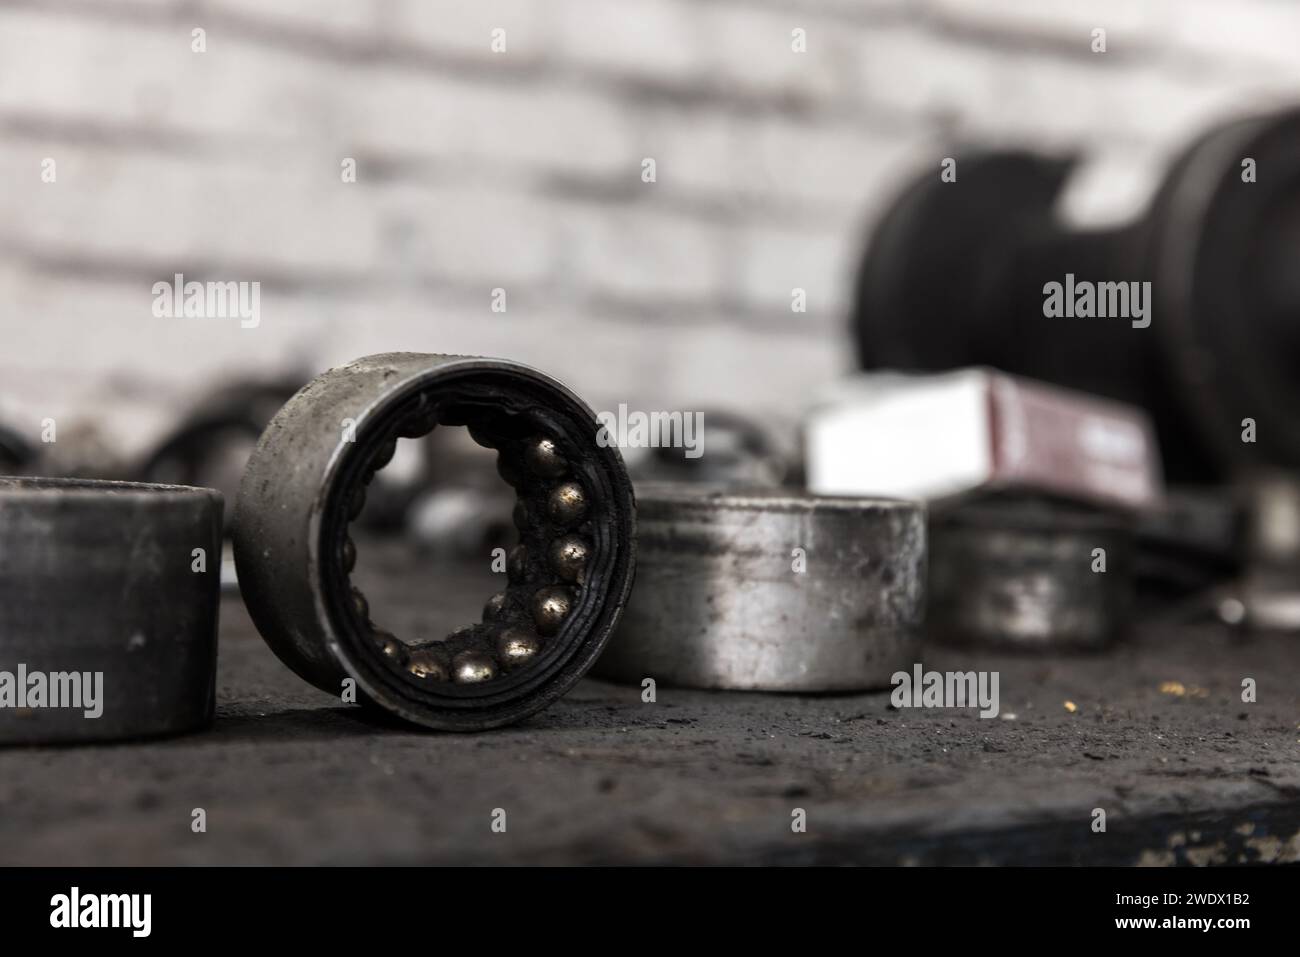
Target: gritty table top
{"x": 1155, "y": 734}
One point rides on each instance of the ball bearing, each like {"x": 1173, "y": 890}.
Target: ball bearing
{"x": 472, "y": 667}
{"x": 426, "y": 664}
{"x": 390, "y": 646}
{"x": 544, "y": 458}
{"x": 567, "y": 503}
{"x": 550, "y": 607}
{"x": 568, "y": 557}
{"x": 568, "y": 576}
{"x": 517, "y": 647}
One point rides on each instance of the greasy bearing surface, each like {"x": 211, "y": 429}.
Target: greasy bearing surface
{"x": 290, "y": 776}
{"x": 569, "y": 573}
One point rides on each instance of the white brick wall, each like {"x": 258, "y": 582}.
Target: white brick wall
{"x": 522, "y": 170}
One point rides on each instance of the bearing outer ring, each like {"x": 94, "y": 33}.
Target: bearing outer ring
{"x": 306, "y": 481}
{"x": 719, "y": 604}
{"x": 100, "y": 577}
{"x": 1020, "y": 578}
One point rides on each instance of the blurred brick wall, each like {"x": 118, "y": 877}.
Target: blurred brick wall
{"x": 522, "y": 170}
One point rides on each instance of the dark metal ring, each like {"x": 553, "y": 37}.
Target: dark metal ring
{"x": 771, "y": 590}
{"x": 569, "y": 575}
{"x": 104, "y": 579}
{"x": 1027, "y": 576}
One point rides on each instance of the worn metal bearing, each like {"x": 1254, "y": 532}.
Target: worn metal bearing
{"x": 569, "y": 574}
{"x": 771, "y": 591}
{"x": 108, "y": 609}
{"x": 1030, "y": 576}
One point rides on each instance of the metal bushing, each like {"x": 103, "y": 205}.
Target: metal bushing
{"x": 102, "y": 587}
{"x": 1021, "y": 576}
{"x": 954, "y": 276}
{"x": 771, "y": 591}
{"x": 569, "y": 574}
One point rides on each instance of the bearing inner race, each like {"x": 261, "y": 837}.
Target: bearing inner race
{"x": 557, "y": 572}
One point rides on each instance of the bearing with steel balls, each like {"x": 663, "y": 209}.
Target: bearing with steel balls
{"x": 569, "y": 575}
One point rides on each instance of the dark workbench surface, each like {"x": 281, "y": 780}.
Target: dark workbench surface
{"x": 289, "y": 775}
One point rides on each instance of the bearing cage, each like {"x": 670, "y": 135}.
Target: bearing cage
{"x": 388, "y": 396}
